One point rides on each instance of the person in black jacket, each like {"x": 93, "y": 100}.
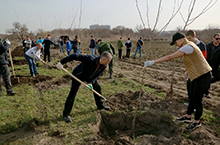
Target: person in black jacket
{"x": 47, "y": 42}
{"x": 92, "y": 45}
{"x": 88, "y": 70}
{"x": 213, "y": 58}
{"x": 128, "y": 44}
{"x": 4, "y": 70}
{"x": 75, "y": 44}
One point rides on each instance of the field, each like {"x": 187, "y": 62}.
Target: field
{"x": 143, "y": 109}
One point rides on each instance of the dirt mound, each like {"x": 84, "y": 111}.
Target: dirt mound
{"x": 18, "y": 52}
{"x": 53, "y": 83}
{"x": 30, "y": 80}
{"x": 154, "y": 122}
{"x": 20, "y": 62}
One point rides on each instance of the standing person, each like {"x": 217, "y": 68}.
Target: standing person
{"x": 92, "y": 45}
{"x": 120, "y": 45}
{"x": 128, "y": 44}
{"x": 32, "y": 53}
{"x": 191, "y": 36}
{"x": 41, "y": 41}
{"x": 61, "y": 45}
{"x": 47, "y": 42}
{"x": 68, "y": 47}
{"x": 76, "y": 42}
{"x": 198, "y": 71}
{"x": 4, "y": 70}
{"x": 24, "y": 44}
{"x": 88, "y": 70}
{"x": 106, "y": 46}
{"x": 139, "y": 44}
{"x": 213, "y": 55}
{"x": 28, "y": 43}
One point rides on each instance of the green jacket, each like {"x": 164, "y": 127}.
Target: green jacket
{"x": 120, "y": 45}
{"x": 106, "y": 46}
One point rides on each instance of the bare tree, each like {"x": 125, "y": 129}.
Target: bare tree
{"x": 189, "y": 19}
{"x": 19, "y": 30}
{"x": 153, "y": 32}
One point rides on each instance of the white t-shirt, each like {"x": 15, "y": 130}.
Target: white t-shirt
{"x": 34, "y": 52}
{"x": 188, "y": 49}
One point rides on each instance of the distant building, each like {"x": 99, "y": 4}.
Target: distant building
{"x": 96, "y": 26}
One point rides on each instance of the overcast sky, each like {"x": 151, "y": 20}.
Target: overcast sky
{"x": 53, "y": 14}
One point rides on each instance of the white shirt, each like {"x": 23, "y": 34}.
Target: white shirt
{"x": 34, "y": 52}
{"x": 188, "y": 49}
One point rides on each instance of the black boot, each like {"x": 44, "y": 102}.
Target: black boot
{"x": 105, "y": 107}
{"x": 67, "y": 119}
{"x": 110, "y": 76}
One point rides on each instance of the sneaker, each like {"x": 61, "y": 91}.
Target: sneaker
{"x": 184, "y": 119}
{"x": 207, "y": 96}
{"x": 186, "y": 104}
{"x": 33, "y": 76}
{"x": 67, "y": 119}
{"x": 193, "y": 125}
{"x": 12, "y": 93}
{"x": 134, "y": 58}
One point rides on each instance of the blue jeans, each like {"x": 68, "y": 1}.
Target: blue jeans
{"x": 32, "y": 65}
{"x": 79, "y": 51}
{"x": 138, "y": 48}
{"x": 62, "y": 49}
{"x": 92, "y": 51}
{"x": 69, "y": 52}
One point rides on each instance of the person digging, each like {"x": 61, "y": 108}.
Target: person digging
{"x": 198, "y": 71}
{"x": 88, "y": 70}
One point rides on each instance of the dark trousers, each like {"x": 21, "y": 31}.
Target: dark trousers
{"x": 4, "y": 72}
{"x": 197, "y": 89}
{"x": 72, "y": 94}
{"x": 215, "y": 78}
{"x": 128, "y": 53}
{"x": 119, "y": 53}
{"x": 47, "y": 53}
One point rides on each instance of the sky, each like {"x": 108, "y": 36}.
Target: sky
{"x": 54, "y": 14}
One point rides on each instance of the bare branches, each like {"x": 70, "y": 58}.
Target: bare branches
{"x": 157, "y": 17}
{"x": 147, "y": 14}
{"x": 188, "y": 21}
{"x": 80, "y": 14}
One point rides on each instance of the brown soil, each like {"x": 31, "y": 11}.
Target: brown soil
{"x": 18, "y": 52}
{"x": 20, "y": 62}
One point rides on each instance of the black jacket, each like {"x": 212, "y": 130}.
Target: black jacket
{"x": 213, "y": 56}
{"x": 47, "y": 42}
{"x": 75, "y": 43}
{"x": 88, "y": 69}
{"x": 92, "y": 44}
{"x": 3, "y": 53}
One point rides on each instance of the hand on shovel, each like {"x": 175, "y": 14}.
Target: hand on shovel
{"x": 43, "y": 61}
{"x": 90, "y": 87}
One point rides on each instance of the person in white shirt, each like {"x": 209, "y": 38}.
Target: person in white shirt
{"x": 32, "y": 53}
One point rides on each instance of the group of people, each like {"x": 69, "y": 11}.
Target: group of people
{"x": 128, "y": 44}
{"x": 202, "y": 68}
{"x": 201, "y": 62}
{"x": 74, "y": 45}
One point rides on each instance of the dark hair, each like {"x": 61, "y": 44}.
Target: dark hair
{"x": 48, "y": 35}
{"x": 140, "y": 37}
{"x": 128, "y": 38}
{"x": 106, "y": 54}
{"x": 216, "y": 34}
{"x": 120, "y": 37}
{"x": 39, "y": 37}
{"x": 76, "y": 37}
{"x": 191, "y": 33}
{"x": 99, "y": 40}
{"x": 91, "y": 36}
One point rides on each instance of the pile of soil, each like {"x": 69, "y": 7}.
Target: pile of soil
{"x": 20, "y": 62}
{"x": 30, "y": 80}
{"x": 53, "y": 83}
{"x": 18, "y": 52}
{"x": 154, "y": 122}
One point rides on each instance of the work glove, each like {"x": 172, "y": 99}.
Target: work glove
{"x": 7, "y": 41}
{"x": 59, "y": 65}
{"x": 148, "y": 63}
{"x": 90, "y": 86}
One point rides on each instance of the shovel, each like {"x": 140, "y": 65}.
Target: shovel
{"x": 83, "y": 83}
{"x": 15, "y": 80}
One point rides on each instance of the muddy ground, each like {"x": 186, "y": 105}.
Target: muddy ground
{"x": 155, "y": 121}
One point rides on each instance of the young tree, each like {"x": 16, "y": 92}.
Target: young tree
{"x": 19, "y": 30}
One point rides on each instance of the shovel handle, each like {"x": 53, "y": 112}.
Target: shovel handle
{"x": 83, "y": 83}
{"x": 12, "y": 65}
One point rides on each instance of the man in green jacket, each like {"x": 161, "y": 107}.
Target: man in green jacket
{"x": 120, "y": 45}
{"x": 107, "y": 46}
